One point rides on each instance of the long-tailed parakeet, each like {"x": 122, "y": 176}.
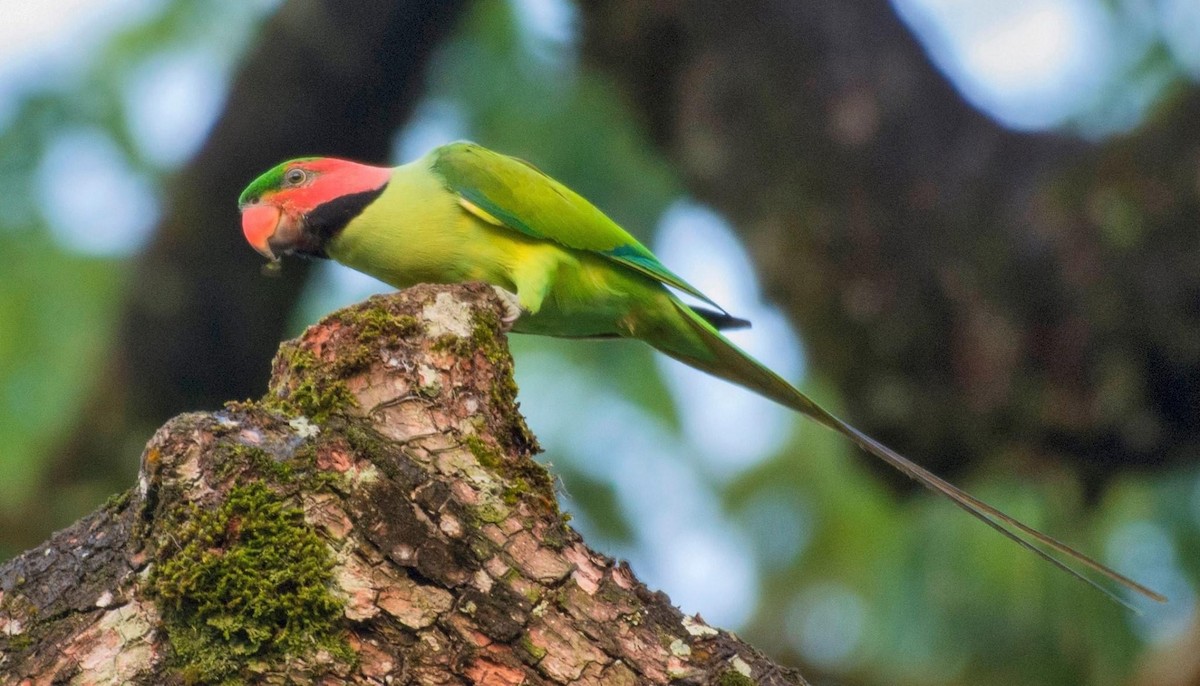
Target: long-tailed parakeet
{"x": 465, "y": 213}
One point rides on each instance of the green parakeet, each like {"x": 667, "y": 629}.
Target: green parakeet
{"x": 465, "y": 213}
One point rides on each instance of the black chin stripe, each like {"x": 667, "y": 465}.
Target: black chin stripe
{"x": 327, "y": 220}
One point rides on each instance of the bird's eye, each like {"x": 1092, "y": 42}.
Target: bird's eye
{"x": 295, "y": 177}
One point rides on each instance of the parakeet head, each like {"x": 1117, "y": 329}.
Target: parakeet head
{"x": 298, "y": 206}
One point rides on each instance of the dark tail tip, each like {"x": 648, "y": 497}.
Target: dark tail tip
{"x": 722, "y": 321}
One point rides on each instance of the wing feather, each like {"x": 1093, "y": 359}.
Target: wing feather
{"x": 510, "y": 192}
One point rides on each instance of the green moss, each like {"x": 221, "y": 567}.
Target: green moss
{"x": 318, "y": 392}
{"x": 503, "y": 395}
{"x": 533, "y": 594}
{"x": 317, "y": 389}
{"x": 556, "y": 538}
{"x": 611, "y": 593}
{"x": 230, "y": 459}
{"x": 513, "y": 433}
{"x": 20, "y": 643}
{"x": 483, "y": 339}
{"x": 14, "y": 604}
{"x": 732, "y": 677}
{"x": 246, "y": 583}
{"x": 522, "y": 478}
{"x": 372, "y": 323}
{"x": 118, "y": 501}
{"x": 533, "y": 651}
{"x": 317, "y": 399}
{"x": 366, "y": 442}
{"x": 487, "y": 456}
{"x": 455, "y": 345}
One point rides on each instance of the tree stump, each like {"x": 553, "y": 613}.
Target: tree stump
{"x": 376, "y": 518}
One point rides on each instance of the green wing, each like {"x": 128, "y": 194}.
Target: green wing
{"x": 513, "y": 193}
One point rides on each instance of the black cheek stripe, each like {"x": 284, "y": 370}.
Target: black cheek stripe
{"x": 328, "y": 219}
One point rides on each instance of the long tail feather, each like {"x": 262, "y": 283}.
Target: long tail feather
{"x": 701, "y": 346}
{"x": 996, "y": 518}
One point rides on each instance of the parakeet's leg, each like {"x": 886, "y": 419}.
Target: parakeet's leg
{"x": 512, "y": 307}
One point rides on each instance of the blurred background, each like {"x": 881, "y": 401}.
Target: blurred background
{"x": 969, "y": 227}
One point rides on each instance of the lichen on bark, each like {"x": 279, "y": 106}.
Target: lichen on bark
{"x": 376, "y": 518}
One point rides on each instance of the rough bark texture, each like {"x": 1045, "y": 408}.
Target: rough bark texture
{"x": 971, "y": 291}
{"x": 327, "y": 78}
{"x": 375, "y": 518}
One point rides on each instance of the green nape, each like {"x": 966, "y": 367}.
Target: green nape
{"x": 272, "y": 180}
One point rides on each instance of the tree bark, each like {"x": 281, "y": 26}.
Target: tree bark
{"x": 199, "y": 322}
{"x": 971, "y": 291}
{"x": 377, "y": 517}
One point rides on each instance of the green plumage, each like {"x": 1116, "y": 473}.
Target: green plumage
{"x": 464, "y": 213}
{"x": 524, "y": 198}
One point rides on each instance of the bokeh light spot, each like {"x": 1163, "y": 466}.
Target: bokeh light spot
{"x": 92, "y": 200}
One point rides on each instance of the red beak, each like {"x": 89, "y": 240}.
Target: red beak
{"x": 258, "y": 224}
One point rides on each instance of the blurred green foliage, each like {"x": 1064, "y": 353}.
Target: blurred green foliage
{"x": 58, "y": 305}
{"x": 909, "y": 591}
{"x": 55, "y": 330}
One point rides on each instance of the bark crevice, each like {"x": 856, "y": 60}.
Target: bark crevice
{"x": 377, "y": 517}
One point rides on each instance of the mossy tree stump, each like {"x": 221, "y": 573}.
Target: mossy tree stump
{"x": 376, "y": 518}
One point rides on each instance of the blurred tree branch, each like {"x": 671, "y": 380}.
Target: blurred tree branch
{"x": 199, "y": 321}
{"x": 970, "y": 290}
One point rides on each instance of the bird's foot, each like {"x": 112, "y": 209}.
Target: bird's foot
{"x": 512, "y": 308}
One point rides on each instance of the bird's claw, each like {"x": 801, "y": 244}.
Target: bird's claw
{"x": 512, "y": 308}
